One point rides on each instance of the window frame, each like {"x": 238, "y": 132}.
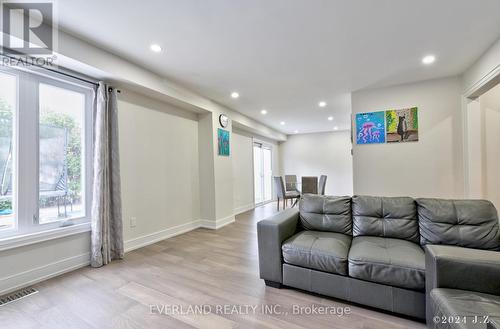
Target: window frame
{"x": 26, "y": 162}
{"x": 263, "y": 146}
{"x": 15, "y": 150}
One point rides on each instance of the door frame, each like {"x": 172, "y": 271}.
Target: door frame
{"x": 470, "y": 95}
{"x": 271, "y": 148}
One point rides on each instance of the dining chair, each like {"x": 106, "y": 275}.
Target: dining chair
{"x": 309, "y": 184}
{"x": 291, "y": 182}
{"x": 322, "y": 184}
{"x": 281, "y": 193}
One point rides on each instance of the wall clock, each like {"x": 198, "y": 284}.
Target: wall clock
{"x": 223, "y": 120}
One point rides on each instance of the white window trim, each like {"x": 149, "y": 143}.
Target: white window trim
{"x": 17, "y": 241}
{"x": 16, "y": 237}
{"x": 269, "y": 146}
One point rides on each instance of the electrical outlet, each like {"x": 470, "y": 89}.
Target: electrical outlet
{"x": 133, "y": 221}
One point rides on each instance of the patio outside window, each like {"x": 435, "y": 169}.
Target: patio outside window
{"x": 45, "y": 146}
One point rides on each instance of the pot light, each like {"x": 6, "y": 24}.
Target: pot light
{"x": 429, "y": 59}
{"x": 155, "y": 47}
{"x": 322, "y": 104}
{"x": 282, "y": 123}
{"x": 335, "y": 128}
{"x": 234, "y": 94}
{"x": 330, "y": 118}
{"x": 295, "y": 131}
{"x": 263, "y": 112}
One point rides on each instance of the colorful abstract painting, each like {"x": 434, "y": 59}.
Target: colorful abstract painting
{"x": 223, "y": 141}
{"x": 402, "y": 125}
{"x": 370, "y": 128}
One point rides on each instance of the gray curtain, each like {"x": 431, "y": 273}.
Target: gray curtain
{"x": 107, "y": 230}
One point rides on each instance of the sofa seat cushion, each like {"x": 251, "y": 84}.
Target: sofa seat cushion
{"x": 323, "y": 251}
{"x": 394, "y": 262}
{"x": 451, "y": 303}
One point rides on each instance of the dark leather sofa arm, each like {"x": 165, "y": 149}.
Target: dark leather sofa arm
{"x": 462, "y": 268}
{"x": 271, "y": 233}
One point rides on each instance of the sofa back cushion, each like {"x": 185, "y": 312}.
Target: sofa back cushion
{"x": 387, "y": 217}
{"x": 464, "y": 223}
{"x": 326, "y": 213}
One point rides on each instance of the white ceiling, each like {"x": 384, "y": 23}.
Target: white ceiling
{"x": 286, "y": 55}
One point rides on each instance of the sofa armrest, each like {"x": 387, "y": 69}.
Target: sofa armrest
{"x": 493, "y": 324}
{"x": 462, "y": 268}
{"x": 271, "y": 233}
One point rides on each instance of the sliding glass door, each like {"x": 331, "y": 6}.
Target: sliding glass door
{"x": 262, "y": 173}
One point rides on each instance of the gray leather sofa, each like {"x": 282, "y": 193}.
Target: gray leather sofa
{"x": 394, "y": 253}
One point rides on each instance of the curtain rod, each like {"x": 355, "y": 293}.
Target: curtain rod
{"x": 53, "y": 70}
{"x": 62, "y": 73}
{"x": 78, "y": 78}
{"x": 71, "y": 76}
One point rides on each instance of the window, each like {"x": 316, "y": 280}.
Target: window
{"x": 61, "y": 176}
{"x": 8, "y": 115}
{"x": 45, "y": 152}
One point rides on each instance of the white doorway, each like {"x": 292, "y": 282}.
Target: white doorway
{"x": 482, "y": 137}
{"x": 262, "y": 173}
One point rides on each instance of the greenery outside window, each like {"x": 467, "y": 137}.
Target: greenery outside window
{"x": 45, "y": 152}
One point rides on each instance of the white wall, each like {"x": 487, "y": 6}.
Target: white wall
{"x": 276, "y": 160}
{"x": 490, "y": 110}
{"x": 159, "y": 168}
{"x": 223, "y": 174}
{"x": 30, "y": 264}
{"x": 474, "y": 145}
{"x": 479, "y": 74}
{"x": 431, "y": 167}
{"x": 243, "y": 180}
{"x": 320, "y": 154}
{"x": 206, "y": 167}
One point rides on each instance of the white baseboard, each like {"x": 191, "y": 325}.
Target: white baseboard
{"x": 42, "y": 273}
{"x": 217, "y": 224}
{"x": 244, "y": 208}
{"x": 148, "y": 239}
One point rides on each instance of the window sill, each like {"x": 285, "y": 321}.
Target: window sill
{"x": 37, "y": 237}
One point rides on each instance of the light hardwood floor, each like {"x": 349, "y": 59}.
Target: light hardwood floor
{"x": 202, "y": 267}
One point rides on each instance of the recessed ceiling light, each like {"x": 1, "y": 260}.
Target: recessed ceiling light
{"x": 295, "y": 131}
{"x": 156, "y": 48}
{"x": 264, "y": 112}
{"x": 234, "y": 94}
{"x": 322, "y": 104}
{"x": 282, "y": 123}
{"x": 330, "y": 118}
{"x": 429, "y": 59}
{"x": 335, "y": 128}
